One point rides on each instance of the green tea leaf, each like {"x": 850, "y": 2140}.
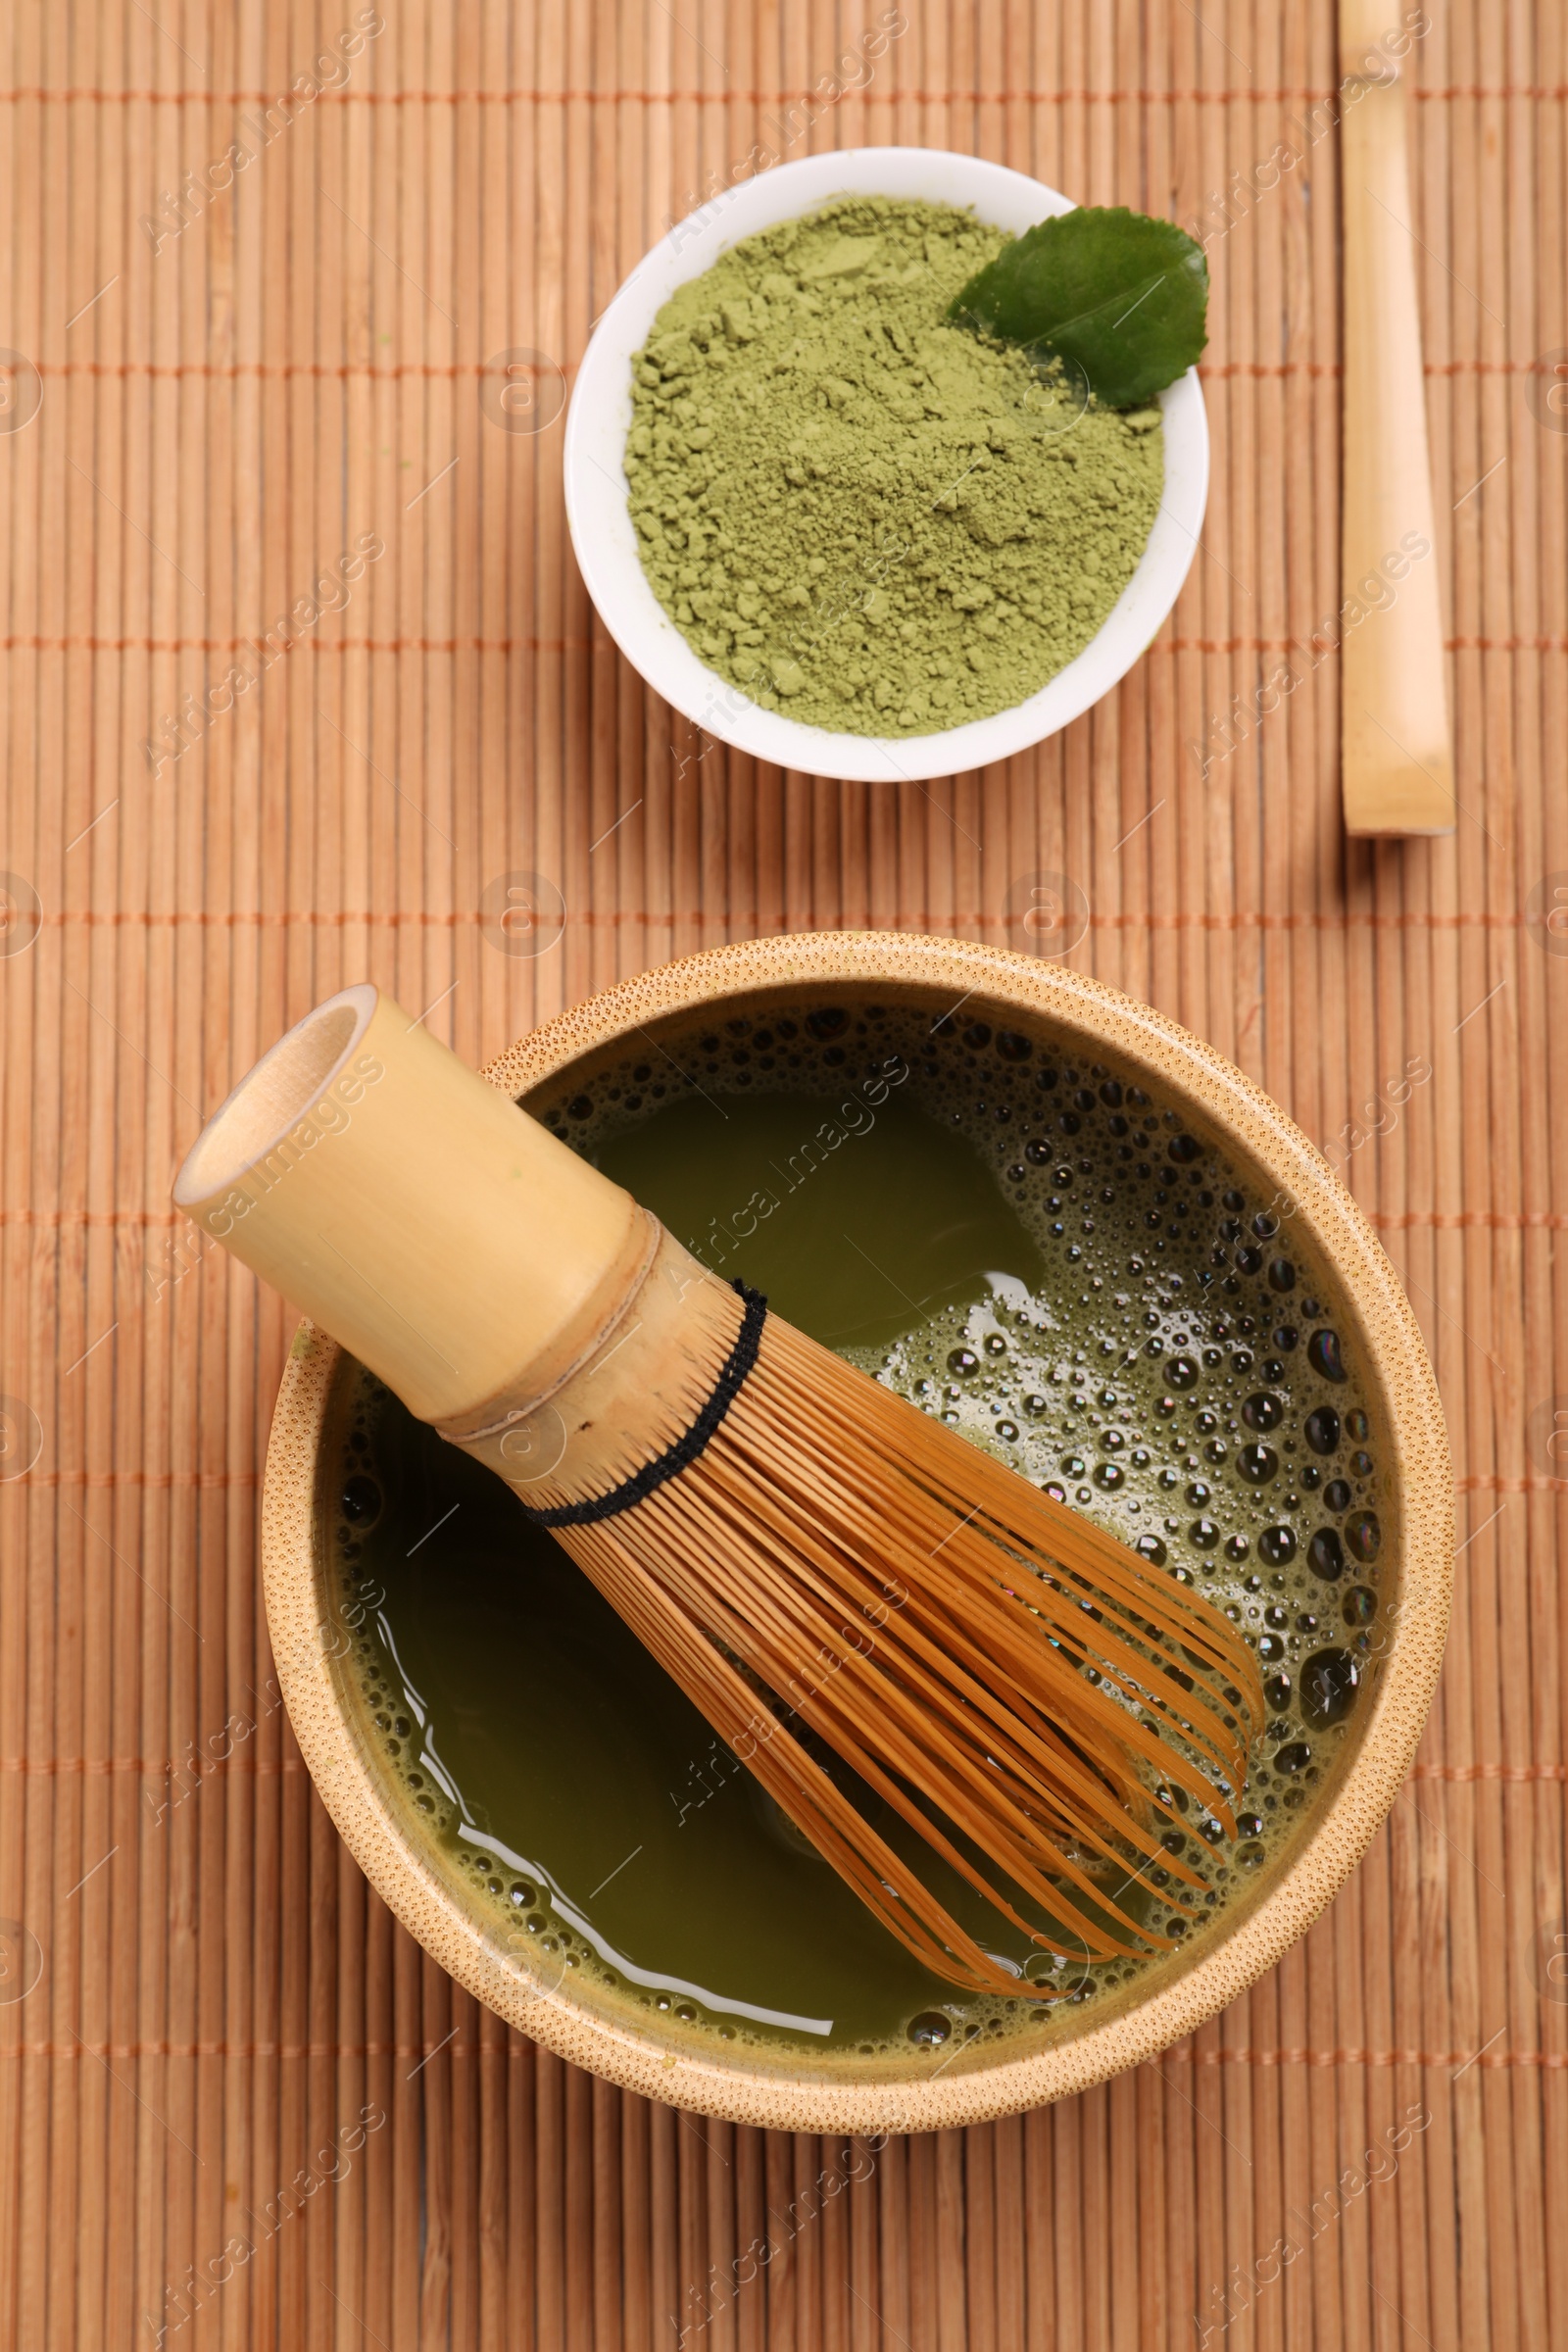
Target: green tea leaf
{"x": 1113, "y": 293}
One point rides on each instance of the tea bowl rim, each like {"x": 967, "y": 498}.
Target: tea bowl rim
{"x": 1418, "y": 1567}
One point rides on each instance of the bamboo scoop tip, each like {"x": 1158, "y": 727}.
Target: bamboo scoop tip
{"x": 1395, "y": 799}
{"x": 274, "y": 1096}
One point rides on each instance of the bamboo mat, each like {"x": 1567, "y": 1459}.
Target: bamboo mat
{"x": 212, "y": 398}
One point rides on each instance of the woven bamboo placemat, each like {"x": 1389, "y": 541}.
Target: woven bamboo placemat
{"x": 237, "y": 2106}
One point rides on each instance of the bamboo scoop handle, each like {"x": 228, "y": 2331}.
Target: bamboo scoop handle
{"x": 440, "y": 1233}
{"x": 1395, "y": 759}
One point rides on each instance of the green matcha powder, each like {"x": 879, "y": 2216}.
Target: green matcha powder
{"x": 857, "y": 513}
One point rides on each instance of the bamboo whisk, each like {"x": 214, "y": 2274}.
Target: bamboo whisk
{"x": 815, "y": 1562}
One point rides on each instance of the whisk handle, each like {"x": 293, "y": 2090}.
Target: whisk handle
{"x": 413, "y": 1211}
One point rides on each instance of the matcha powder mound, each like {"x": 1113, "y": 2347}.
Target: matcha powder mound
{"x": 859, "y": 514}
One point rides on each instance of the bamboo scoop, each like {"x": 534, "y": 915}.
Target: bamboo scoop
{"x": 1395, "y": 761}
{"x": 819, "y": 1566}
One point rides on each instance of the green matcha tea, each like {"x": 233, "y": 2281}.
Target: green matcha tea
{"x": 853, "y": 509}
{"x": 1020, "y": 1242}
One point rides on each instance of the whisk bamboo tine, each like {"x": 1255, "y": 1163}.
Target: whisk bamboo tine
{"x": 822, "y": 1497}
{"x": 1010, "y": 1729}
{"x": 936, "y": 1715}
{"x": 934, "y": 1700}
{"x": 1115, "y": 1653}
{"x": 862, "y": 1858}
{"x": 1122, "y": 1575}
{"x": 811, "y": 1558}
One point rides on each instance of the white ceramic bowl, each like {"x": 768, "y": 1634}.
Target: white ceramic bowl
{"x": 605, "y": 542}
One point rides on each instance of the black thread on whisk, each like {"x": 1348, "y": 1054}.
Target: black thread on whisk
{"x": 685, "y": 1450}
